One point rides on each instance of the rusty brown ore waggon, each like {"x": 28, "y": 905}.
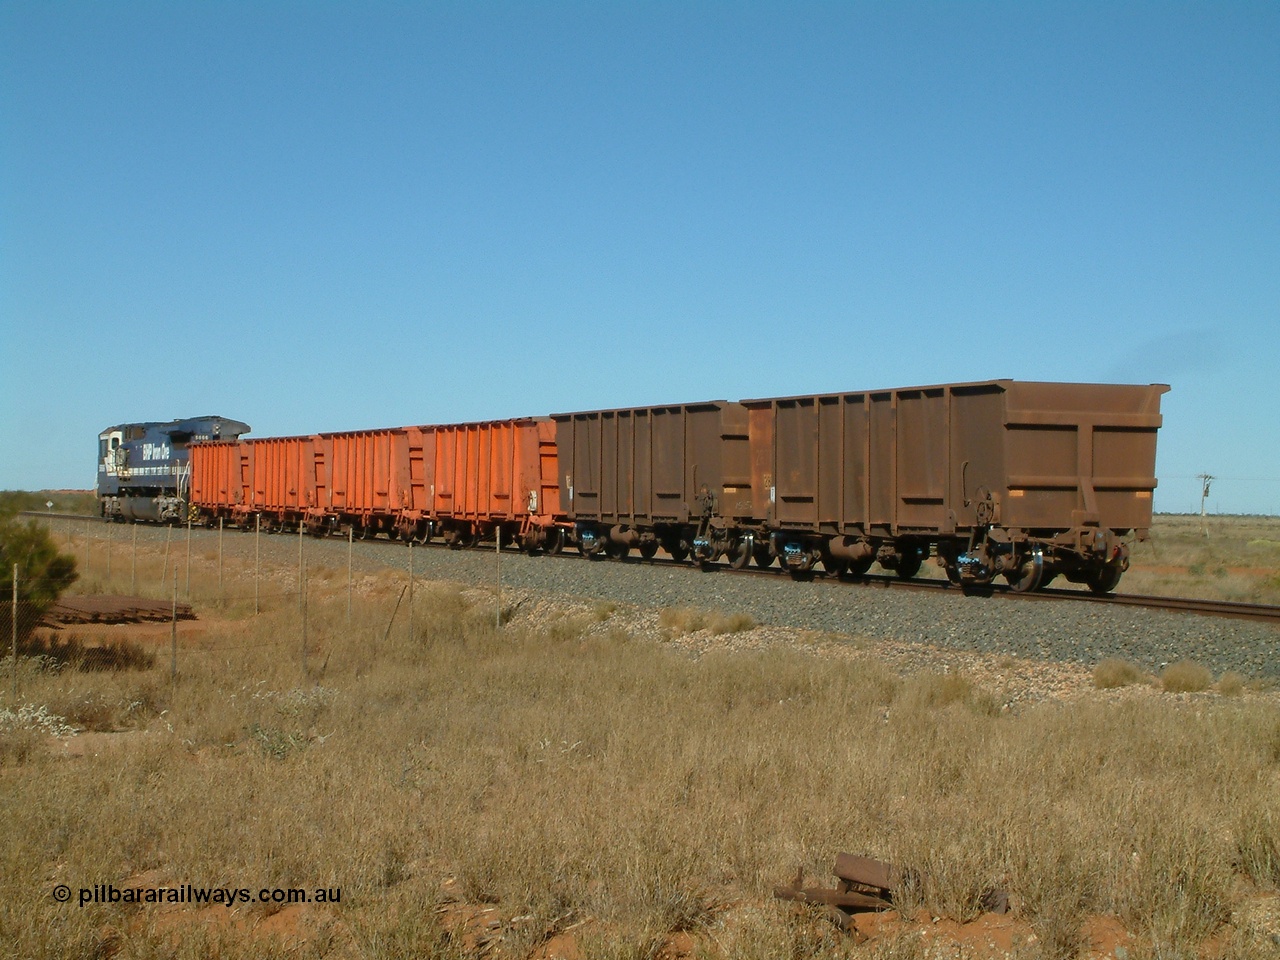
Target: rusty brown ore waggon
{"x": 1024, "y": 481}
{"x": 1000, "y": 478}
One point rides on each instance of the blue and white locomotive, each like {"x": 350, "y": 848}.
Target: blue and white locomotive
{"x": 143, "y": 468}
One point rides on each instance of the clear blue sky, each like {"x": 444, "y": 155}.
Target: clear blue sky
{"x": 322, "y": 216}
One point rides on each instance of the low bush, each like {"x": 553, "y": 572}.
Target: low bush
{"x": 1185, "y": 676}
{"x": 683, "y": 620}
{"x": 1231, "y": 684}
{"x": 1111, "y": 673}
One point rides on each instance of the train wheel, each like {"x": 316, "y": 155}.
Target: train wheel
{"x": 741, "y": 555}
{"x": 617, "y": 551}
{"x": 555, "y": 541}
{"x": 858, "y": 568}
{"x": 1105, "y": 580}
{"x": 1027, "y": 578}
{"x": 762, "y": 556}
{"x": 649, "y": 549}
{"x": 909, "y": 565}
{"x": 679, "y": 552}
{"x": 1030, "y": 575}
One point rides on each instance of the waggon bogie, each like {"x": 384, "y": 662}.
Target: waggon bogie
{"x": 555, "y": 540}
{"x": 412, "y": 530}
{"x": 795, "y": 552}
{"x": 590, "y": 540}
{"x": 320, "y": 525}
{"x": 904, "y": 558}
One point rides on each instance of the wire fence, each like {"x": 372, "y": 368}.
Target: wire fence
{"x": 185, "y": 566}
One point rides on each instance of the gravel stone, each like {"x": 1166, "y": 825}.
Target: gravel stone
{"x": 1067, "y": 632}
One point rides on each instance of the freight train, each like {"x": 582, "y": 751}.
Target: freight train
{"x": 144, "y": 469}
{"x": 995, "y": 479}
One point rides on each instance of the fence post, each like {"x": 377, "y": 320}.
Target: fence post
{"x": 173, "y": 635}
{"x": 221, "y": 593}
{"x": 410, "y": 591}
{"x": 168, "y": 539}
{"x": 497, "y": 566}
{"x": 188, "y": 557}
{"x": 304, "y": 622}
{"x": 88, "y": 529}
{"x": 301, "y": 570}
{"x": 110, "y": 530}
{"x": 13, "y": 617}
{"x": 133, "y": 567}
{"x": 351, "y": 536}
{"x": 257, "y": 538}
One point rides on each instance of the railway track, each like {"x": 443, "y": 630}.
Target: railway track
{"x": 1206, "y": 608}
{"x": 1257, "y": 612}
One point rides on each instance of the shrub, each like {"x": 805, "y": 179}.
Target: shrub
{"x": 1185, "y": 676}
{"x": 1112, "y": 673}
{"x": 691, "y": 620}
{"x": 43, "y": 572}
{"x": 1231, "y": 684}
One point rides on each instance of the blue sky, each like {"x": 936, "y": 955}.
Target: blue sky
{"x": 324, "y": 216}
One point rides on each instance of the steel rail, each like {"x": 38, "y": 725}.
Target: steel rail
{"x": 1265, "y": 613}
{"x": 1258, "y": 612}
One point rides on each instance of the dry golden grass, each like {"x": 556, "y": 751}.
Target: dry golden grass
{"x": 1224, "y": 558}
{"x": 1112, "y": 673}
{"x": 1185, "y": 677}
{"x": 575, "y": 774}
{"x": 1231, "y": 684}
{"x": 691, "y": 619}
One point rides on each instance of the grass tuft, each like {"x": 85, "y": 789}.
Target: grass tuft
{"x": 1185, "y": 676}
{"x": 1110, "y": 674}
{"x": 685, "y": 620}
{"x": 1231, "y": 684}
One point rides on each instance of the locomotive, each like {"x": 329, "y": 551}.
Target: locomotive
{"x": 995, "y": 479}
{"x": 144, "y": 469}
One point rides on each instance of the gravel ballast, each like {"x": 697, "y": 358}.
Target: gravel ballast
{"x": 1067, "y": 632}
{"x": 1070, "y": 632}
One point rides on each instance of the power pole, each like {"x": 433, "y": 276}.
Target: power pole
{"x": 1205, "y": 479}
